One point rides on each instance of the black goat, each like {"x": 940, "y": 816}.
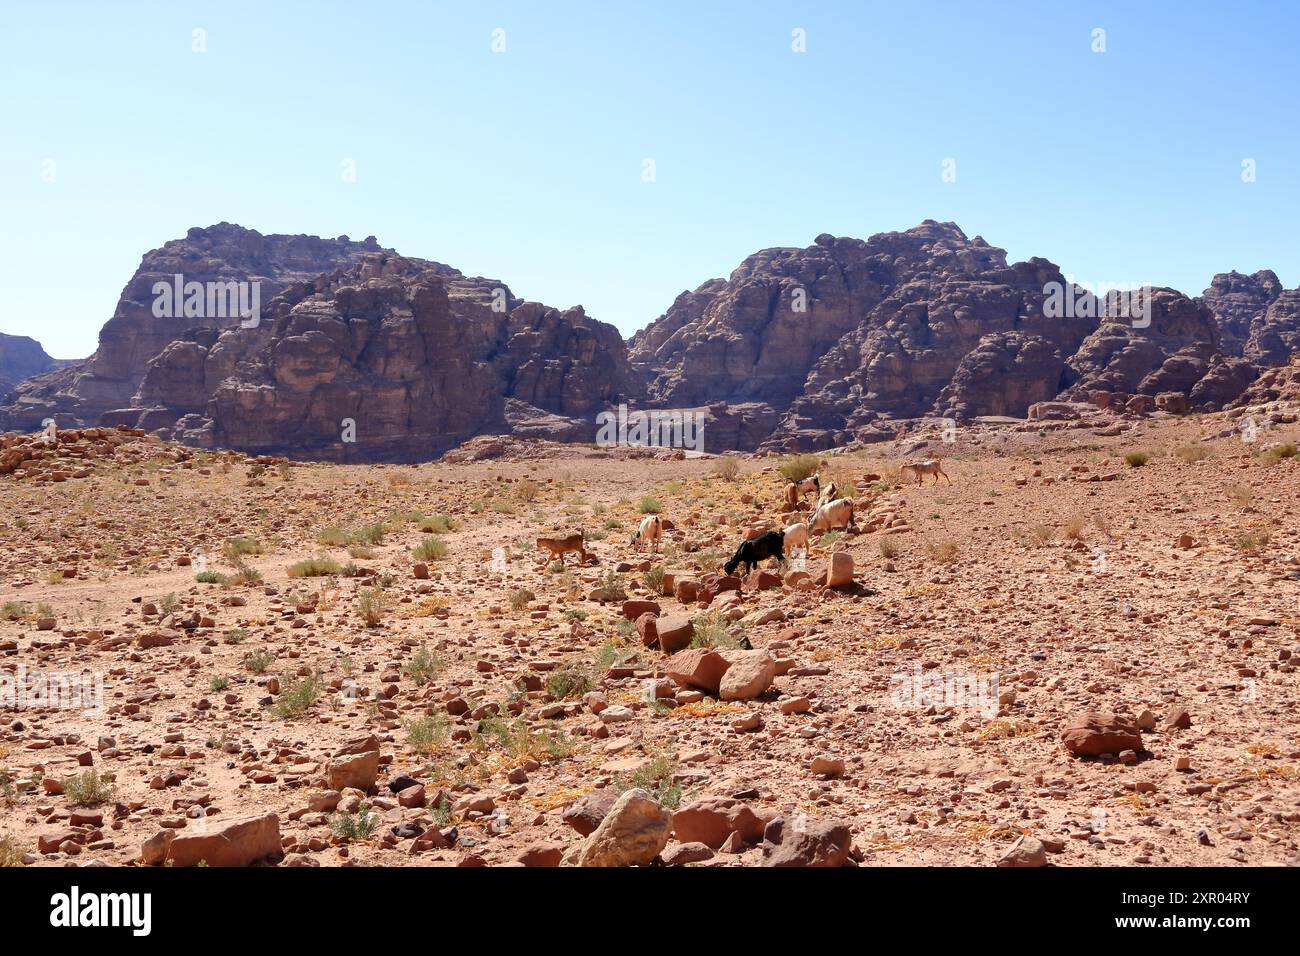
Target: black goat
{"x": 769, "y": 544}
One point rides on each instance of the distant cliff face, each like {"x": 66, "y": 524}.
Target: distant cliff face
{"x": 847, "y": 335}
{"x": 135, "y": 334}
{"x": 20, "y": 358}
{"x": 362, "y": 354}
{"x": 395, "y": 359}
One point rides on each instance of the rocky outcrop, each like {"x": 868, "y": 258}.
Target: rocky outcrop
{"x": 21, "y": 357}
{"x": 362, "y": 354}
{"x": 395, "y": 359}
{"x": 1239, "y": 302}
{"x": 134, "y": 335}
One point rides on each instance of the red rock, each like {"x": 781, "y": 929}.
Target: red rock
{"x": 236, "y": 842}
{"x": 634, "y": 609}
{"x": 749, "y": 673}
{"x": 710, "y": 820}
{"x": 542, "y": 854}
{"x": 676, "y": 631}
{"x": 806, "y": 843}
{"x": 586, "y": 813}
{"x": 698, "y": 667}
{"x": 1092, "y": 734}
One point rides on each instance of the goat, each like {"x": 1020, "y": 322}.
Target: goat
{"x": 833, "y": 514}
{"x": 812, "y": 484}
{"x": 791, "y": 496}
{"x": 559, "y": 547}
{"x": 829, "y": 493}
{"x": 795, "y": 536}
{"x": 650, "y": 530}
{"x": 931, "y": 466}
{"x": 769, "y": 544}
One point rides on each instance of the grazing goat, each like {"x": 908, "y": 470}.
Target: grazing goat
{"x": 833, "y": 514}
{"x": 812, "y": 484}
{"x": 829, "y": 493}
{"x": 769, "y": 544}
{"x": 795, "y": 536}
{"x": 559, "y": 547}
{"x": 930, "y": 466}
{"x": 650, "y": 529}
{"x": 791, "y": 496}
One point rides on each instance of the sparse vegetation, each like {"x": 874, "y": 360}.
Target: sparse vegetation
{"x": 569, "y": 681}
{"x": 889, "y": 547}
{"x": 1191, "y": 453}
{"x": 300, "y": 696}
{"x": 611, "y": 588}
{"x": 430, "y": 549}
{"x": 650, "y": 506}
{"x": 259, "y": 660}
{"x": 239, "y": 547}
{"x": 1136, "y": 459}
{"x": 656, "y": 777}
{"x": 654, "y": 580}
{"x": 521, "y": 598}
{"x": 318, "y": 567}
{"x": 88, "y": 789}
{"x": 371, "y": 604}
{"x": 799, "y": 467}
{"x": 427, "y": 735}
{"x": 712, "y": 630}
{"x": 355, "y": 826}
{"x": 10, "y": 854}
{"x": 423, "y": 666}
{"x": 945, "y": 552}
{"x": 439, "y": 524}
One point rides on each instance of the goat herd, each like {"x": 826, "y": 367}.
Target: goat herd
{"x": 832, "y": 513}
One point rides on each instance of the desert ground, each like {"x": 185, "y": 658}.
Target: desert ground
{"x": 510, "y": 699}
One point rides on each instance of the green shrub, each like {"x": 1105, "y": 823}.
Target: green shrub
{"x": 798, "y": 467}
{"x": 430, "y": 549}
{"x": 87, "y": 789}
{"x": 318, "y": 567}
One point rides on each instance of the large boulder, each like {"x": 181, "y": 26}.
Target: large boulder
{"x": 710, "y": 820}
{"x": 1094, "y": 734}
{"x": 698, "y": 667}
{"x": 237, "y": 842}
{"x": 631, "y": 834}
{"x": 802, "y": 842}
{"x": 748, "y": 674}
{"x": 355, "y": 764}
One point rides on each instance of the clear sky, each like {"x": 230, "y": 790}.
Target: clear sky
{"x": 527, "y": 165}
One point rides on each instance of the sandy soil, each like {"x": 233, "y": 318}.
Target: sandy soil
{"x": 1049, "y": 563}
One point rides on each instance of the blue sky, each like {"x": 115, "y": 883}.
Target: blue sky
{"x": 526, "y": 165}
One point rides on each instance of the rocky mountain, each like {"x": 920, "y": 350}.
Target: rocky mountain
{"x": 848, "y": 337}
{"x": 393, "y": 359}
{"x": 21, "y": 357}
{"x": 799, "y": 348}
{"x": 82, "y": 393}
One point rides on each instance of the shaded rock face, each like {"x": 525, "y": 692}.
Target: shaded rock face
{"x": 21, "y": 357}
{"x": 756, "y": 336}
{"x": 395, "y": 359}
{"x": 108, "y": 380}
{"x": 1239, "y": 302}
{"x": 799, "y": 349}
{"x": 1175, "y": 353}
